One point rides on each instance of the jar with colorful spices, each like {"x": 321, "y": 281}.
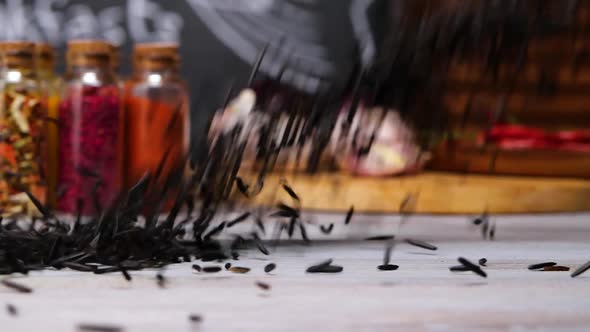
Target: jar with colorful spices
{"x": 90, "y": 137}
{"x": 51, "y": 88}
{"x": 23, "y": 118}
{"x": 157, "y": 115}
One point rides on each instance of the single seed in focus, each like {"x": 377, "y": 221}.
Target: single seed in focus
{"x": 262, "y": 285}
{"x": 270, "y": 267}
{"x": 540, "y": 266}
{"x": 388, "y": 267}
{"x": 581, "y": 269}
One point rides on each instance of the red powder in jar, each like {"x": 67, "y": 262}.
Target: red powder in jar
{"x": 90, "y": 122}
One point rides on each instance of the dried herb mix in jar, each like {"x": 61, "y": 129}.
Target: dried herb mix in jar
{"x": 90, "y": 129}
{"x": 157, "y": 118}
{"x": 22, "y": 130}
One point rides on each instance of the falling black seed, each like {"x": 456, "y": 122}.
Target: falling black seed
{"x": 482, "y": 261}
{"x": 388, "y": 267}
{"x": 540, "y": 266}
{"x": 196, "y": 268}
{"x": 459, "y": 268}
{"x": 581, "y": 270}
{"x": 215, "y": 231}
{"x": 46, "y": 214}
{"x": 387, "y": 253}
{"x": 16, "y": 286}
{"x": 239, "y": 269}
{"x": 478, "y": 221}
{"x": 556, "y": 268}
{"x": 227, "y": 266}
{"x": 284, "y": 214}
{"x": 303, "y": 232}
{"x": 125, "y": 273}
{"x": 242, "y": 186}
{"x": 98, "y": 328}
{"x": 484, "y": 230}
{"x": 288, "y": 210}
{"x": 421, "y": 244}
{"x": 380, "y": 238}
{"x": 261, "y": 247}
{"x": 291, "y": 228}
{"x": 239, "y": 219}
{"x": 349, "y": 215}
{"x": 211, "y": 269}
{"x": 291, "y": 192}
{"x": 493, "y": 232}
{"x": 472, "y": 267}
{"x": 161, "y": 280}
{"x": 262, "y": 285}
{"x": 269, "y": 267}
{"x": 194, "y": 318}
{"x": 11, "y": 309}
{"x": 327, "y": 230}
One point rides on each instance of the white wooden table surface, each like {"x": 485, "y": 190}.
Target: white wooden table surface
{"x": 421, "y": 296}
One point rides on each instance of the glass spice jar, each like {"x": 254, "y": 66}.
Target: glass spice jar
{"x": 90, "y": 139}
{"x": 50, "y": 84}
{"x": 157, "y": 115}
{"x": 22, "y": 130}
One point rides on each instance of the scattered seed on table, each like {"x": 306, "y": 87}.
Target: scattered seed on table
{"x": 161, "y": 279}
{"x": 11, "y": 309}
{"x": 472, "y": 267}
{"x": 327, "y": 230}
{"x": 421, "y": 244}
{"x": 227, "y": 266}
{"x": 556, "y": 268}
{"x": 380, "y": 238}
{"x": 99, "y": 328}
{"x": 325, "y": 267}
{"x": 126, "y": 274}
{"x": 263, "y": 285}
{"x": 482, "y": 261}
{"x": 16, "y": 286}
{"x": 239, "y": 269}
{"x": 211, "y": 269}
{"x": 195, "y": 318}
{"x": 459, "y": 268}
{"x": 196, "y": 268}
{"x": 540, "y": 266}
{"x": 388, "y": 267}
{"x": 581, "y": 269}
{"x": 270, "y": 267}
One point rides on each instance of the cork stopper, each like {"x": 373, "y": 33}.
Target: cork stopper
{"x": 89, "y": 53}
{"x": 17, "y": 53}
{"x": 156, "y": 56}
{"x": 45, "y": 56}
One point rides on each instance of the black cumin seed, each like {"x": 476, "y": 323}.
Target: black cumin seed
{"x": 540, "y": 266}
{"x": 349, "y": 215}
{"x": 291, "y": 192}
{"x": 380, "y": 238}
{"x": 46, "y": 214}
{"x": 327, "y": 230}
{"x": 484, "y": 230}
{"x": 581, "y": 269}
{"x": 99, "y": 328}
{"x": 235, "y": 256}
{"x": 261, "y": 247}
{"x": 262, "y": 285}
{"x": 493, "y": 232}
{"x": 477, "y": 221}
{"x": 325, "y": 269}
{"x": 289, "y": 210}
{"x": 211, "y": 269}
{"x": 161, "y": 280}
{"x": 482, "y": 261}
{"x": 459, "y": 268}
{"x": 79, "y": 267}
{"x": 269, "y": 267}
{"x": 303, "y": 231}
{"x": 242, "y": 186}
{"x": 11, "y": 309}
{"x": 195, "y": 318}
{"x": 16, "y": 286}
{"x": 388, "y": 267}
{"x": 472, "y": 267}
{"x": 196, "y": 268}
{"x": 239, "y": 269}
{"x": 387, "y": 253}
{"x": 239, "y": 219}
{"x": 291, "y": 228}
{"x": 227, "y": 266}
{"x": 125, "y": 273}
{"x": 556, "y": 268}
{"x": 421, "y": 244}
{"x": 284, "y": 214}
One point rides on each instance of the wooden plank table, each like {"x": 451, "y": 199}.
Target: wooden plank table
{"x": 421, "y": 296}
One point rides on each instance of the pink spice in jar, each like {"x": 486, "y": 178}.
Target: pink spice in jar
{"x": 89, "y": 147}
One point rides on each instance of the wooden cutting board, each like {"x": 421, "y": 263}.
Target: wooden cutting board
{"x": 429, "y": 193}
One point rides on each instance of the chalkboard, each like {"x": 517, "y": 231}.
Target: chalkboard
{"x": 313, "y": 43}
